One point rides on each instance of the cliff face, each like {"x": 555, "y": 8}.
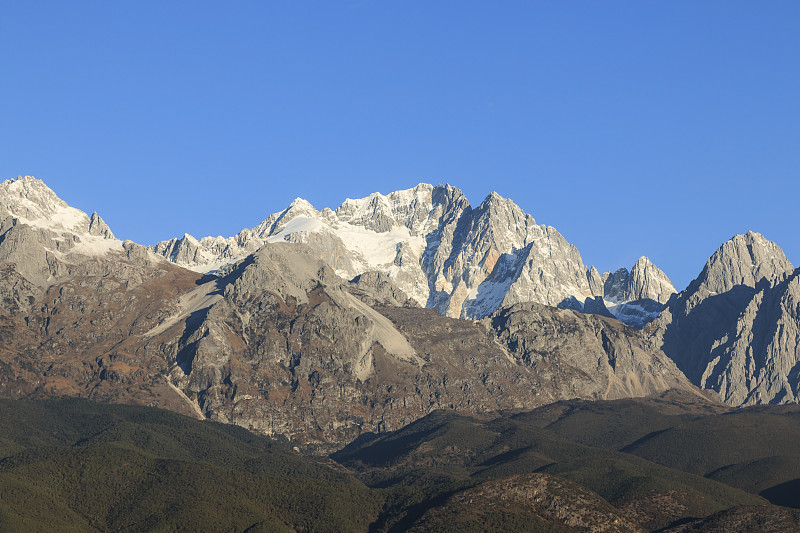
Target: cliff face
{"x": 584, "y": 355}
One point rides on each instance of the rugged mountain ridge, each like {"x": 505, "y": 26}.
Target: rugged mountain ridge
{"x": 444, "y": 254}
{"x": 736, "y": 328}
{"x": 634, "y": 296}
{"x": 643, "y": 281}
{"x": 282, "y": 345}
{"x": 42, "y": 239}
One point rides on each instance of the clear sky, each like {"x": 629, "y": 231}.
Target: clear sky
{"x": 635, "y": 128}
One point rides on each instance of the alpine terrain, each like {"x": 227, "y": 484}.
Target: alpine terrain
{"x": 278, "y": 342}
{"x": 405, "y": 362}
{"x": 462, "y": 261}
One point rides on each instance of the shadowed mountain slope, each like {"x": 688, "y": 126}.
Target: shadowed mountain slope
{"x": 72, "y": 465}
{"x": 444, "y": 447}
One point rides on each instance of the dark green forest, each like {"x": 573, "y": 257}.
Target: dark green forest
{"x": 642, "y": 464}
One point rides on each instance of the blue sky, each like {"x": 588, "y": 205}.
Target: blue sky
{"x": 634, "y": 128}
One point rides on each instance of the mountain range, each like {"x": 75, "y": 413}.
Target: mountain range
{"x": 323, "y": 325}
{"x": 406, "y": 362}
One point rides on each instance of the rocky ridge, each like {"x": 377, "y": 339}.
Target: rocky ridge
{"x": 634, "y": 296}
{"x": 44, "y": 240}
{"x": 444, "y": 254}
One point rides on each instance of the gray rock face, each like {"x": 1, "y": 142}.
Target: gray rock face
{"x": 736, "y": 328}
{"x": 44, "y": 240}
{"x": 584, "y": 355}
{"x": 595, "y": 282}
{"x": 17, "y": 294}
{"x": 377, "y": 289}
{"x": 99, "y": 228}
{"x": 32, "y": 252}
{"x": 615, "y": 285}
{"x": 435, "y": 248}
{"x": 743, "y": 260}
{"x": 647, "y": 281}
{"x": 643, "y": 281}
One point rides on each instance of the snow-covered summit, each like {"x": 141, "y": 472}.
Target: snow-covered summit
{"x": 46, "y": 239}
{"x": 32, "y": 202}
{"x": 28, "y": 201}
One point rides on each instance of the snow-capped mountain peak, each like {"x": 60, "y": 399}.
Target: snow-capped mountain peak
{"x": 32, "y": 202}
{"x": 29, "y": 201}
{"x": 427, "y": 240}
{"x": 45, "y": 238}
{"x": 430, "y": 242}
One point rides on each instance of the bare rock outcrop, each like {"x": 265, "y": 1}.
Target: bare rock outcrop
{"x": 377, "y": 289}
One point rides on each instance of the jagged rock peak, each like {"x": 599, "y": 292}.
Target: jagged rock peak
{"x": 615, "y": 285}
{"x": 381, "y": 213}
{"x": 743, "y": 260}
{"x": 595, "y": 281}
{"x": 503, "y": 221}
{"x": 496, "y": 204}
{"x": 646, "y": 280}
{"x": 449, "y": 194}
{"x": 30, "y": 188}
{"x": 99, "y": 228}
{"x": 301, "y": 203}
{"x": 638, "y": 295}
{"x": 735, "y": 329}
{"x": 494, "y": 199}
{"x": 299, "y": 206}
